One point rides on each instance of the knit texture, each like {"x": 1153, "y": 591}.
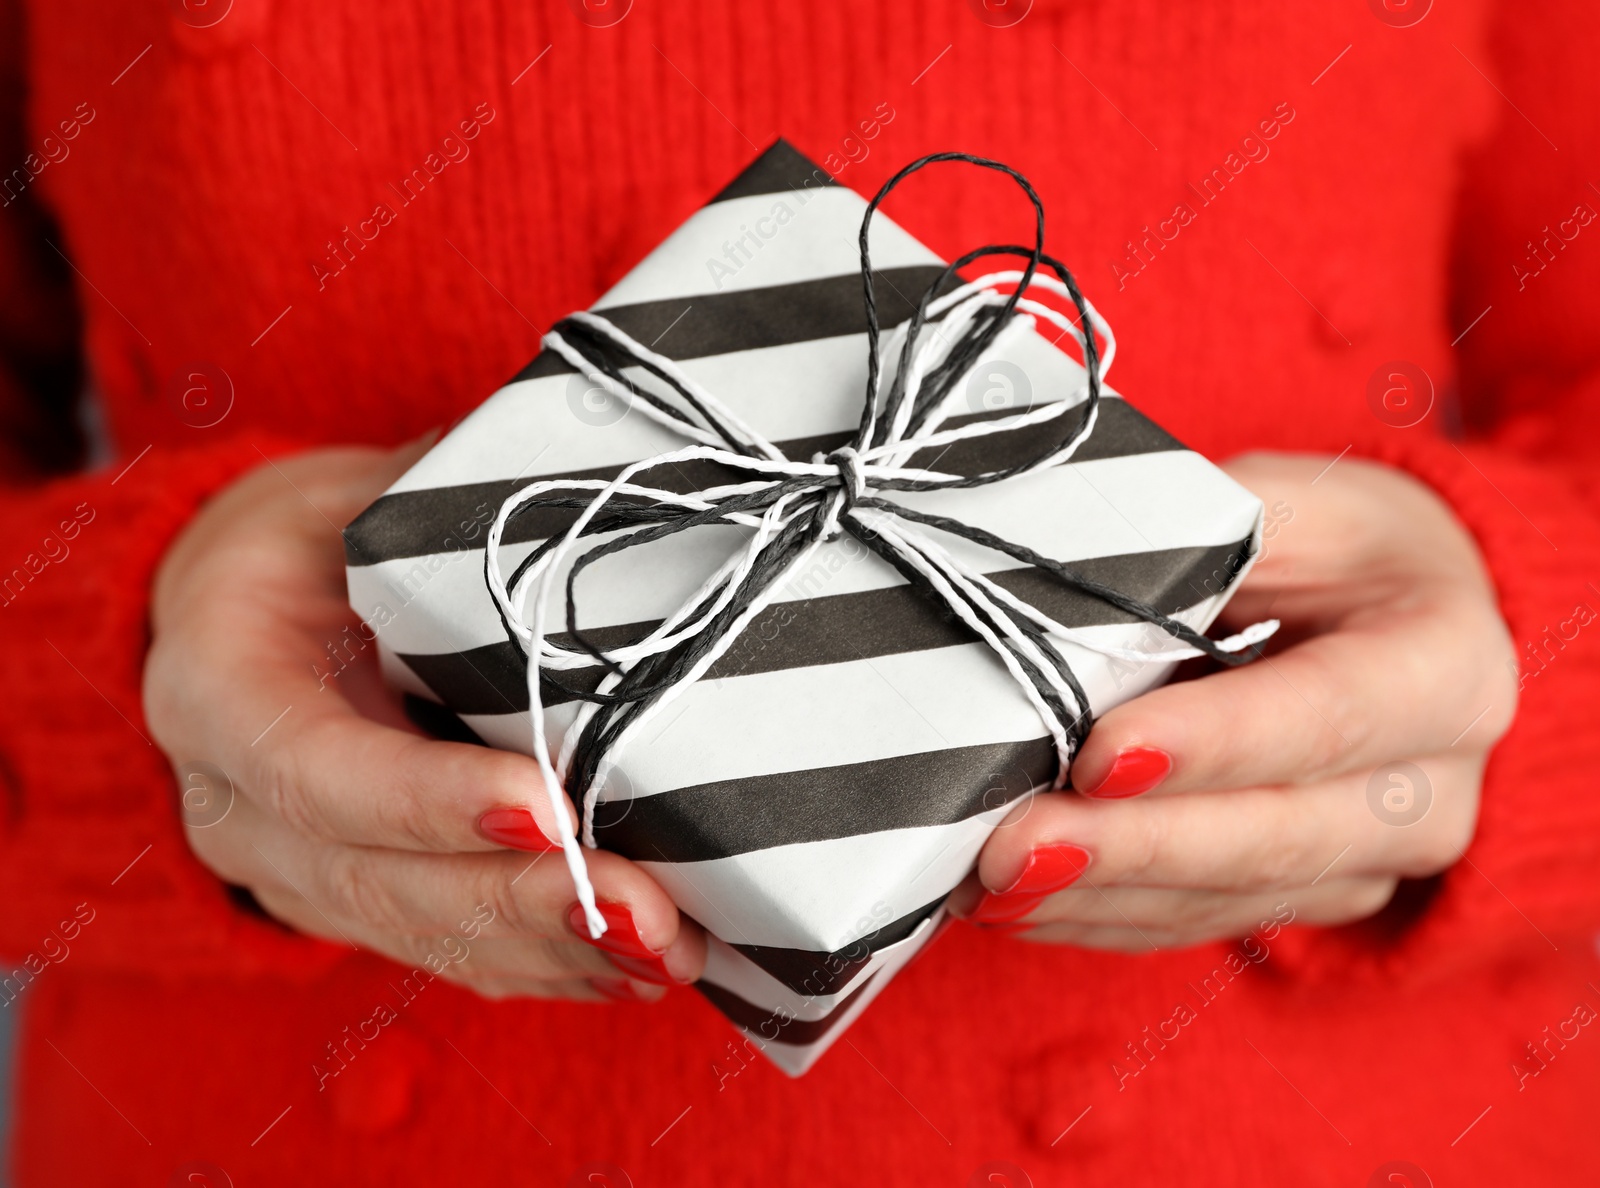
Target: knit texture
{"x": 217, "y": 203}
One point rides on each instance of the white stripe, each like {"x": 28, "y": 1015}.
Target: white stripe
{"x": 862, "y": 711}
{"x": 785, "y": 238}
{"x": 733, "y": 971}
{"x": 807, "y": 895}
{"x": 852, "y": 713}
{"x": 798, "y": 389}
{"x": 796, "y": 1059}
{"x": 801, "y": 389}
{"x": 1133, "y": 504}
{"x": 856, "y": 712}
{"x": 815, "y": 895}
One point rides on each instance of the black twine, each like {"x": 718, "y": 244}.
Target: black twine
{"x": 642, "y": 522}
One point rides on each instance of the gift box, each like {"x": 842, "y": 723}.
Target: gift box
{"x": 813, "y": 797}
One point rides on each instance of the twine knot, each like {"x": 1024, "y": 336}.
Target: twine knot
{"x": 791, "y": 508}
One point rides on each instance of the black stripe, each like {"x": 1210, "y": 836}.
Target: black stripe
{"x": 776, "y": 1026}
{"x": 751, "y": 319}
{"x": 844, "y": 627}
{"x": 719, "y": 820}
{"x": 438, "y": 721}
{"x": 455, "y": 519}
{"x": 487, "y": 680}
{"x": 809, "y": 971}
{"x": 782, "y": 168}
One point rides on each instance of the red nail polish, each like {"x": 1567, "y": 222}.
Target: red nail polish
{"x": 621, "y": 936}
{"x": 995, "y": 908}
{"x": 516, "y": 829}
{"x": 617, "y": 989}
{"x": 646, "y": 969}
{"x": 1136, "y": 770}
{"x": 1048, "y": 870}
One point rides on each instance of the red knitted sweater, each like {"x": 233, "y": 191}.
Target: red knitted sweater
{"x": 1271, "y": 202}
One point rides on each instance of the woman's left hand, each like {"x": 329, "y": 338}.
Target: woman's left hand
{"x": 1314, "y": 778}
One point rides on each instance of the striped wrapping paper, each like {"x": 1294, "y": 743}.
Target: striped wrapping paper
{"x": 813, "y": 800}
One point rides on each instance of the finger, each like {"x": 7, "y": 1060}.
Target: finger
{"x": 513, "y": 962}
{"x": 1178, "y": 911}
{"x": 1385, "y": 588}
{"x": 500, "y": 897}
{"x": 493, "y": 968}
{"x": 534, "y": 957}
{"x": 1173, "y": 917}
{"x": 1356, "y": 528}
{"x": 290, "y": 739}
{"x": 1371, "y": 691}
{"x": 1253, "y": 920}
{"x": 335, "y": 775}
{"x": 1240, "y": 840}
{"x": 298, "y": 503}
{"x": 505, "y": 973}
{"x": 250, "y": 676}
{"x": 299, "y": 913}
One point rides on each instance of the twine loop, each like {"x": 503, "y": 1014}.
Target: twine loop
{"x": 788, "y": 509}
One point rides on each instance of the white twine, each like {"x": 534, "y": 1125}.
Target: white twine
{"x": 963, "y": 588}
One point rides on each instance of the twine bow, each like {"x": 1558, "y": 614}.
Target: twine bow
{"x": 790, "y": 508}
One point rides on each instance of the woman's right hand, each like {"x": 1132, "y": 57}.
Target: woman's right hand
{"x": 345, "y": 821}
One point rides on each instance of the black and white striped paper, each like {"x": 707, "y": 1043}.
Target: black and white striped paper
{"x": 813, "y": 800}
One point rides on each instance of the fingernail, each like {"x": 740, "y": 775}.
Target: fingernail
{"x": 514, "y": 828}
{"x": 621, "y": 936}
{"x": 1003, "y": 909}
{"x": 1136, "y": 770}
{"x": 646, "y": 969}
{"x": 618, "y": 989}
{"x": 1048, "y": 870}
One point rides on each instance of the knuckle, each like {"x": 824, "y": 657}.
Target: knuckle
{"x": 1322, "y": 718}
{"x": 563, "y": 957}
{"x": 214, "y": 854}
{"x": 405, "y": 819}
{"x": 278, "y": 784}
{"x": 1503, "y": 687}
{"x": 1441, "y": 846}
{"x": 1200, "y": 913}
{"x": 1363, "y": 898}
{"x": 283, "y": 908}
{"x": 355, "y": 890}
{"x": 1280, "y": 861}
{"x": 1378, "y": 896}
{"x": 1343, "y": 722}
{"x": 1142, "y": 845}
{"x": 159, "y": 693}
{"x": 505, "y": 777}
{"x": 510, "y": 911}
{"x": 469, "y": 978}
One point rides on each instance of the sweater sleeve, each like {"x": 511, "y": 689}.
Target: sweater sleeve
{"x": 1527, "y": 880}
{"x": 39, "y": 359}
{"x": 93, "y": 862}
{"x": 1523, "y": 474}
{"x": 88, "y": 820}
